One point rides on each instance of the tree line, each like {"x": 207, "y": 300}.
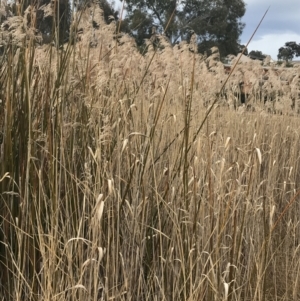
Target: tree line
{"x": 287, "y": 53}
{"x": 215, "y": 22}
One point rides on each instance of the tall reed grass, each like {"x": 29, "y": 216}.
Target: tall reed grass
{"x": 109, "y": 190}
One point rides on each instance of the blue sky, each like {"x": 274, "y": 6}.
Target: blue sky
{"x": 281, "y": 24}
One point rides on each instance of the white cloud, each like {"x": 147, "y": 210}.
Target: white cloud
{"x": 281, "y": 25}
{"x": 270, "y": 43}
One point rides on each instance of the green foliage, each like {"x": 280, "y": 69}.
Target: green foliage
{"x": 241, "y": 49}
{"x": 285, "y": 53}
{"x": 139, "y": 25}
{"x": 216, "y": 23}
{"x": 108, "y": 11}
{"x": 257, "y": 54}
{"x": 289, "y": 51}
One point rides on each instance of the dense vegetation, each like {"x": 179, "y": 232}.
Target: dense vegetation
{"x": 115, "y": 181}
{"x": 216, "y": 23}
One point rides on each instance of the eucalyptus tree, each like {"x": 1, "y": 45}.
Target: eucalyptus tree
{"x": 289, "y": 51}
{"x": 216, "y": 22}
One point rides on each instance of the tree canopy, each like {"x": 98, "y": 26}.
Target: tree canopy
{"x": 215, "y": 22}
{"x": 257, "y": 54}
{"x": 289, "y": 51}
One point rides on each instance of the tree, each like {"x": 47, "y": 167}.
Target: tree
{"x": 108, "y": 10}
{"x": 241, "y": 49}
{"x": 257, "y": 55}
{"x": 289, "y": 51}
{"x": 215, "y": 22}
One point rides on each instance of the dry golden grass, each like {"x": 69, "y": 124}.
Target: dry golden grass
{"x": 109, "y": 188}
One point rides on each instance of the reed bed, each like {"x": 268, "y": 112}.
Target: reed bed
{"x": 110, "y": 190}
